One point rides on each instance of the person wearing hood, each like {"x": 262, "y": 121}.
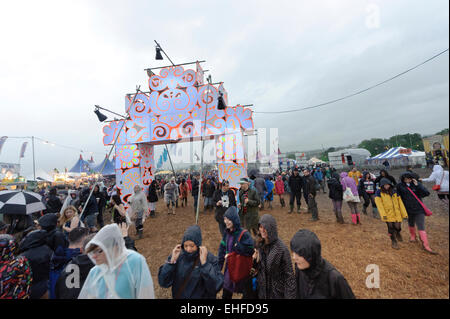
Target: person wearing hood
{"x": 72, "y": 199}
{"x": 89, "y": 216}
{"x": 139, "y": 207}
{"x": 315, "y": 277}
{"x": 152, "y": 198}
{"x": 54, "y": 204}
{"x": 15, "y": 272}
{"x": 366, "y": 189}
{"x": 61, "y": 257}
{"x": 350, "y": 183}
{"x": 440, "y": 177}
{"x": 55, "y": 237}
{"x": 191, "y": 271}
{"x": 384, "y": 173}
{"x": 34, "y": 248}
{"x": 275, "y": 276}
{"x": 119, "y": 273}
{"x": 336, "y": 195}
{"x": 412, "y": 192}
{"x": 269, "y": 193}
{"x": 392, "y": 210}
{"x": 231, "y": 243}
{"x": 279, "y": 189}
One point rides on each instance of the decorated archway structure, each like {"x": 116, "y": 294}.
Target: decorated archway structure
{"x": 173, "y": 111}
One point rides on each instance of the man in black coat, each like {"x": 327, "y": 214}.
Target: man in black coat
{"x": 195, "y": 186}
{"x": 295, "y": 184}
{"x": 34, "y": 248}
{"x": 54, "y": 204}
{"x": 309, "y": 191}
{"x": 89, "y": 217}
{"x": 315, "y": 277}
{"x": 336, "y": 194}
{"x": 55, "y": 237}
{"x": 223, "y": 198}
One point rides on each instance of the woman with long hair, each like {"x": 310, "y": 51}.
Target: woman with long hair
{"x": 69, "y": 220}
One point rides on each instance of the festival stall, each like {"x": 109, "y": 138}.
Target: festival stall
{"x": 399, "y": 157}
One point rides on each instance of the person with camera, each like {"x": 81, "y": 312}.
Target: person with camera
{"x": 223, "y": 198}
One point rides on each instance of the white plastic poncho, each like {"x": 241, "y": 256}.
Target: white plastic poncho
{"x": 126, "y": 274}
{"x": 138, "y": 203}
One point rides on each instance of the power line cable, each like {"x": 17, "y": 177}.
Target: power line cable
{"x": 356, "y": 93}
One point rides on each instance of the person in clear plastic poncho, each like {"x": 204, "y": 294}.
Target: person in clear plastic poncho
{"x": 119, "y": 272}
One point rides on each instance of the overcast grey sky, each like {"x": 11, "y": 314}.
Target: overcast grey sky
{"x": 59, "y": 58}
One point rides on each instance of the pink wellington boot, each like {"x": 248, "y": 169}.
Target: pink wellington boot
{"x": 412, "y": 232}
{"x": 426, "y": 246}
{"x": 354, "y": 217}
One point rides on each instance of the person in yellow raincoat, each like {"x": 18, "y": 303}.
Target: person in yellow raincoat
{"x": 391, "y": 209}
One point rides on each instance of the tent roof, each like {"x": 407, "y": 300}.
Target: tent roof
{"x": 395, "y": 153}
{"x": 109, "y": 167}
{"x": 356, "y": 151}
{"x": 81, "y": 166}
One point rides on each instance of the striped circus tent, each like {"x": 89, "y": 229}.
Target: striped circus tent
{"x": 395, "y": 153}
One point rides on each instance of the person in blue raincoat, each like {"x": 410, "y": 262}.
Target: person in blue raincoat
{"x": 191, "y": 271}
{"x": 269, "y": 194}
{"x": 230, "y": 243}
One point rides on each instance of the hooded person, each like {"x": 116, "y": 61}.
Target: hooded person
{"x": 152, "y": 198}
{"x": 191, "y": 271}
{"x": 236, "y": 240}
{"x": 170, "y": 195}
{"x": 411, "y": 193}
{"x": 56, "y": 239}
{"x": 119, "y": 273}
{"x": 315, "y": 277}
{"x": 275, "y": 276}
{"x": 15, "y": 272}
{"x": 34, "y": 248}
{"x": 391, "y": 208}
{"x": 349, "y": 182}
{"x": 72, "y": 199}
{"x": 139, "y": 207}
{"x": 384, "y": 173}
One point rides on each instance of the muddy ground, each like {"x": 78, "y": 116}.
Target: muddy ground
{"x": 406, "y": 273}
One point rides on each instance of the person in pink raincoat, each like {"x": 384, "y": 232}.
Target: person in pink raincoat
{"x": 279, "y": 189}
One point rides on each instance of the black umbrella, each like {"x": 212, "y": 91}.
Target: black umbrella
{"x": 20, "y": 203}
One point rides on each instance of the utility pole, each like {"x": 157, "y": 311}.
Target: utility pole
{"x": 34, "y": 161}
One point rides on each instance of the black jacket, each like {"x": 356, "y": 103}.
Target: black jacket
{"x": 220, "y": 210}
{"x": 91, "y": 207}
{"x": 101, "y": 200}
{"x": 195, "y": 185}
{"x": 34, "y": 248}
{"x": 54, "y": 204}
{"x": 321, "y": 280}
{"x": 84, "y": 264}
{"x": 295, "y": 183}
{"x": 335, "y": 189}
{"x": 309, "y": 186}
{"x": 208, "y": 190}
{"x": 411, "y": 204}
{"x": 55, "y": 237}
{"x": 389, "y": 177}
{"x": 152, "y": 195}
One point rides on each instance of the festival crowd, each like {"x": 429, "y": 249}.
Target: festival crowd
{"x": 69, "y": 252}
